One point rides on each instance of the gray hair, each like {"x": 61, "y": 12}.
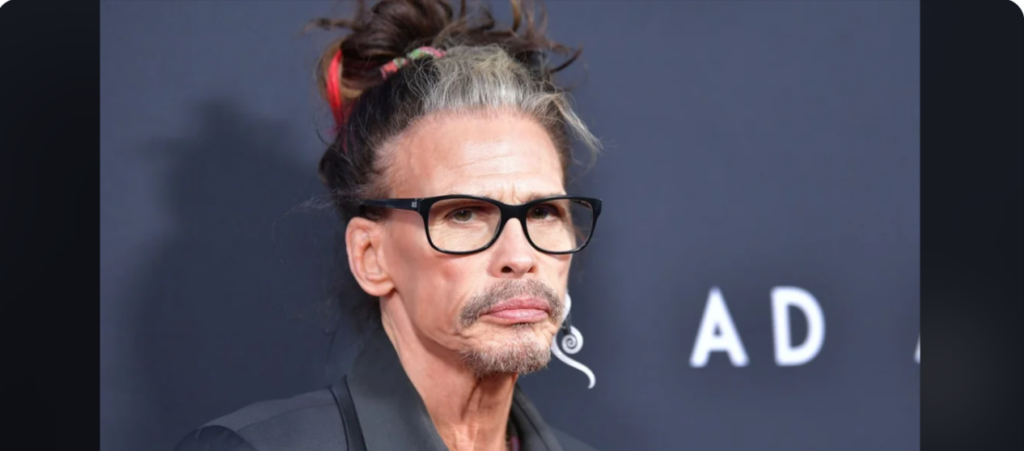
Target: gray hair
{"x": 486, "y": 77}
{"x": 468, "y": 79}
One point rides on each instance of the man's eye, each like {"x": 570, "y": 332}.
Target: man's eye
{"x": 542, "y": 212}
{"x": 462, "y": 215}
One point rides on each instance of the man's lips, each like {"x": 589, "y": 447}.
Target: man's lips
{"x": 521, "y": 310}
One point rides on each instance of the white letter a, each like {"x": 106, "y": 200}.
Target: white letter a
{"x": 716, "y": 318}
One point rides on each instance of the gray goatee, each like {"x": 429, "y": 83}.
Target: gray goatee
{"x": 521, "y": 352}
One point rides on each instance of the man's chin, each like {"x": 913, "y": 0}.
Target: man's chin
{"x": 517, "y": 349}
{"x": 500, "y": 335}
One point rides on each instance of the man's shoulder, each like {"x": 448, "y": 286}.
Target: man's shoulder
{"x": 281, "y": 412}
{"x": 309, "y": 421}
{"x": 570, "y": 443}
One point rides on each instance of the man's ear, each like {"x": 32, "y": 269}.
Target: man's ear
{"x": 362, "y": 241}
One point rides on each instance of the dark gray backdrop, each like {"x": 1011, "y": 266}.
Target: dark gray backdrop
{"x": 750, "y": 145}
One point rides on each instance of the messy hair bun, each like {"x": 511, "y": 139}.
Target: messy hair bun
{"x": 393, "y": 28}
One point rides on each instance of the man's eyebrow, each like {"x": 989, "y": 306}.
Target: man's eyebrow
{"x": 528, "y": 198}
{"x": 535, "y": 196}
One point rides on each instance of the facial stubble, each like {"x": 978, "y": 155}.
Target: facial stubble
{"x": 517, "y": 348}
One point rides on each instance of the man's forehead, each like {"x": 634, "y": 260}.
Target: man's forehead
{"x": 509, "y": 188}
{"x": 502, "y": 159}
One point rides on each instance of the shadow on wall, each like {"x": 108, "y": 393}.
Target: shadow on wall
{"x": 229, "y": 304}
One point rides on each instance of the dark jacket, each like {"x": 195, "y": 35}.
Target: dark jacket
{"x": 374, "y": 407}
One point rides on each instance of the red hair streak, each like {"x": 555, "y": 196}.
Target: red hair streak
{"x": 334, "y": 97}
{"x": 334, "y": 89}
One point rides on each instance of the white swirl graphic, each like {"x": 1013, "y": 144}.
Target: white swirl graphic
{"x": 572, "y": 342}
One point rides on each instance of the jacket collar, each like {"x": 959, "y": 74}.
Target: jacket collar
{"x": 392, "y": 414}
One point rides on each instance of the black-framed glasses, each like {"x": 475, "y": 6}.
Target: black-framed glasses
{"x": 463, "y": 224}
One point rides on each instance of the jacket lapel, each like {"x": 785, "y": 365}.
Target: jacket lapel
{"x": 392, "y": 414}
{"x": 534, "y": 433}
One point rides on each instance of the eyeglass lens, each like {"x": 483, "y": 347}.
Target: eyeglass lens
{"x": 465, "y": 225}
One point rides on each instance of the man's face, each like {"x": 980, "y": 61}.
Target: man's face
{"x": 454, "y": 301}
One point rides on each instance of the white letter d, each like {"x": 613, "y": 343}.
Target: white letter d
{"x": 785, "y": 353}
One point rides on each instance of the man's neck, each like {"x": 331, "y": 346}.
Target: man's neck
{"x": 468, "y": 413}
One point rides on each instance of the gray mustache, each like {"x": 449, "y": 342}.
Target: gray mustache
{"x": 510, "y": 289}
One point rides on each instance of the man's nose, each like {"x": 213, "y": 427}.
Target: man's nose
{"x": 514, "y": 256}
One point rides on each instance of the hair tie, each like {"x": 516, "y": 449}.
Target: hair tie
{"x": 391, "y": 67}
